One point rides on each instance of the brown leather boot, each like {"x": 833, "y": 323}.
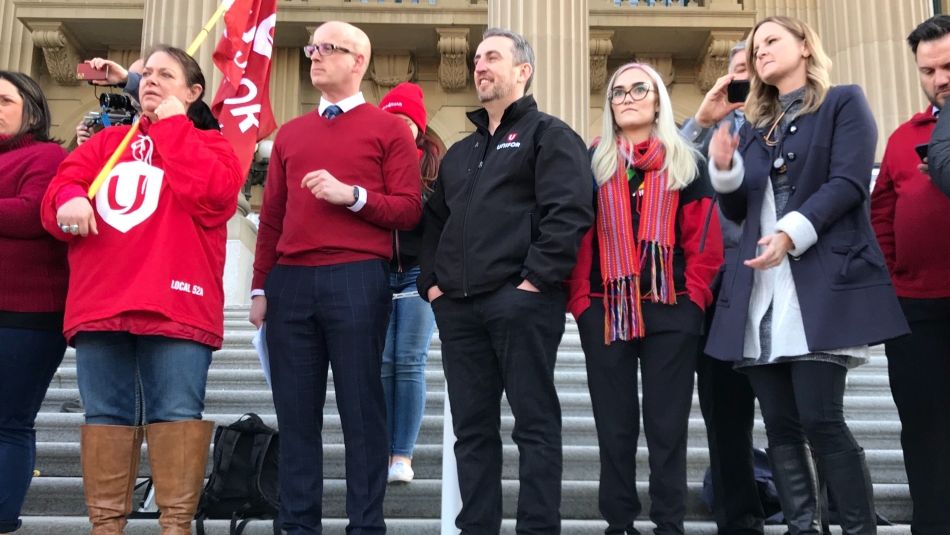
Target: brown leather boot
{"x": 110, "y": 463}
{"x": 178, "y": 453}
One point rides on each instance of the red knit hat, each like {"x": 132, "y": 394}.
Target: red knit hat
{"x": 406, "y": 98}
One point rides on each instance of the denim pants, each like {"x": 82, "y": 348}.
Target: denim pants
{"x": 404, "y": 363}
{"x": 28, "y": 359}
{"x": 129, "y": 379}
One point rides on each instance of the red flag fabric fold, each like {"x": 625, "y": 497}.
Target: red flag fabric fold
{"x": 242, "y": 102}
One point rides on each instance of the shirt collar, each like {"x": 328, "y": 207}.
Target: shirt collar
{"x": 346, "y": 104}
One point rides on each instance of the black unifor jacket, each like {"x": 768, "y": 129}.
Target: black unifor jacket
{"x": 508, "y": 206}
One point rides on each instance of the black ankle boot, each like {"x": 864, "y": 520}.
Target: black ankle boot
{"x": 796, "y": 481}
{"x": 849, "y": 484}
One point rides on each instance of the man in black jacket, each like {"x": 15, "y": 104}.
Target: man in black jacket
{"x": 501, "y": 232}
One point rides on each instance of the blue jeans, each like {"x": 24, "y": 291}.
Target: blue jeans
{"x": 404, "y": 363}
{"x": 28, "y": 359}
{"x": 129, "y": 379}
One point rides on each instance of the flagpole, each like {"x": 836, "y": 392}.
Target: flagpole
{"x": 192, "y": 48}
{"x": 206, "y": 30}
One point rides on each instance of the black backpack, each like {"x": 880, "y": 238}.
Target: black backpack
{"x": 243, "y": 481}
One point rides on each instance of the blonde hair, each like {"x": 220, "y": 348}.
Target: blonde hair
{"x": 762, "y": 108}
{"x": 681, "y": 156}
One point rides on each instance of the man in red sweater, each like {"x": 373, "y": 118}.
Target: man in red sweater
{"x": 911, "y": 218}
{"x": 341, "y": 178}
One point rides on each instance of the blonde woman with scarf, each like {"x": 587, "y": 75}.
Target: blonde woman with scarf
{"x": 639, "y": 292}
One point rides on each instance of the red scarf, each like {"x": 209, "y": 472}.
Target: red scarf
{"x": 622, "y": 255}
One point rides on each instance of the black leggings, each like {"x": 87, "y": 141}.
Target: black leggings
{"x": 803, "y": 400}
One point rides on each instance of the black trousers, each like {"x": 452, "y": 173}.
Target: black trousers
{"x": 728, "y": 404}
{"x": 504, "y": 341}
{"x": 318, "y": 317}
{"x": 667, "y": 362}
{"x": 803, "y": 402}
{"x": 919, "y": 368}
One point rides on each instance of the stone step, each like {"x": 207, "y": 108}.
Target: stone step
{"x": 581, "y": 463}
{"x": 856, "y": 407}
{"x": 243, "y": 355}
{"x": 572, "y": 379}
{"x": 58, "y": 525}
{"x": 63, "y": 496}
{"x": 576, "y": 431}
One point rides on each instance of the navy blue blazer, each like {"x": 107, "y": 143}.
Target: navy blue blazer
{"x": 842, "y": 282}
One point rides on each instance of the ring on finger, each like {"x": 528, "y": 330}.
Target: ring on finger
{"x": 74, "y": 229}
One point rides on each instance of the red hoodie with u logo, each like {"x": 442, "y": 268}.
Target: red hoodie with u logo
{"x": 156, "y": 265}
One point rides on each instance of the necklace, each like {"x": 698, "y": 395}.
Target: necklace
{"x": 771, "y": 142}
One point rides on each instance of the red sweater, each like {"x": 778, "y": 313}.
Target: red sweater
{"x": 33, "y": 264}
{"x": 366, "y": 147}
{"x": 156, "y": 266}
{"x": 911, "y": 217}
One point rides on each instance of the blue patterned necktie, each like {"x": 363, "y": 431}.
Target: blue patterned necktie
{"x": 332, "y": 111}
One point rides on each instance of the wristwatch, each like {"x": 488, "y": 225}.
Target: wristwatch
{"x": 356, "y": 195}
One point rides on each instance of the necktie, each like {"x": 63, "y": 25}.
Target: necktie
{"x": 332, "y": 111}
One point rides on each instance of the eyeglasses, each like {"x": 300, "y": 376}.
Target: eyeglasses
{"x": 637, "y": 92}
{"x": 325, "y": 49}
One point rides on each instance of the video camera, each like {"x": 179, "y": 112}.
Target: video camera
{"x": 115, "y": 109}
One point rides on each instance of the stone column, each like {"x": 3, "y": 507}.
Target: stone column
{"x": 16, "y": 45}
{"x": 177, "y": 23}
{"x": 558, "y": 31}
{"x": 866, "y": 40}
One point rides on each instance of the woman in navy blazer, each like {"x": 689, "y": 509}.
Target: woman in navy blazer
{"x": 807, "y": 291}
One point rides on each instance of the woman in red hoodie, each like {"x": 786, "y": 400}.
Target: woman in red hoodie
{"x": 33, "y": 289}
{"x": 638, "y": 294}
{"x": 145, "y": 302}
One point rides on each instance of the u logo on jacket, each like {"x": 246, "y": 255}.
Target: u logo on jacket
{"x": 131, "y": 195}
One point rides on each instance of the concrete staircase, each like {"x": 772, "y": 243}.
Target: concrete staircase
{"x": 236, "y": 385}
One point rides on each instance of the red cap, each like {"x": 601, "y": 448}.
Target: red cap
{"x": 406, "y": 98}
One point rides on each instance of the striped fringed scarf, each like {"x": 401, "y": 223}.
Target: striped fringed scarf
{"x": 621, "y": 254}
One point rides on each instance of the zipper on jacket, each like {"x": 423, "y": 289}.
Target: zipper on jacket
{"x": 468, "y": 207}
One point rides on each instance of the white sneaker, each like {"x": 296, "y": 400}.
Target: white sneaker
{"x": 400, "y": 473}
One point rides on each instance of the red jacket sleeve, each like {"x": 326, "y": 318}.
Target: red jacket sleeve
{"x": 400, "y": 206}
{"x": 201, "y": 169}
{"x": 76, "y": 173}
{"x": 20, "y": 215}
{"x": 701, "y": 266}
{"x": 883, "y": 203}
{"x": 271, "y": 222}
{"x": 578, "y": 282}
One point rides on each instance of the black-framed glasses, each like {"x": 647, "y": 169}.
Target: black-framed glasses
{"x": 638, "y": 92}
{"x": 325, "y": 49}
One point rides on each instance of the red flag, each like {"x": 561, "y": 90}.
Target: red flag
{"x": 242, "y": 103}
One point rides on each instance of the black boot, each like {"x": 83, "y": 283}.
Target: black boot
{"x": 849, "y": 484}
{"x": 796, "y": 481}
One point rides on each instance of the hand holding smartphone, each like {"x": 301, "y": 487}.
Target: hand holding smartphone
{"x": 737, "y": 91}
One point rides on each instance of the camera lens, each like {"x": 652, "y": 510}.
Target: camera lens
{"x": 115, "y": 101}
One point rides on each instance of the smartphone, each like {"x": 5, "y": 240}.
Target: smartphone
{"x": 921, "y": 151}
{"x": 737, "y": 90}
{"x": 85, "y": 71}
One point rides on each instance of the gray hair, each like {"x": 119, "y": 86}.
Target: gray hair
{"x": 740, "y": 47}
{"x": 520, "y": 49}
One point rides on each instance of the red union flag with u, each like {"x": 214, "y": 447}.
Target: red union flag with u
{"x": 242, "y": 103}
